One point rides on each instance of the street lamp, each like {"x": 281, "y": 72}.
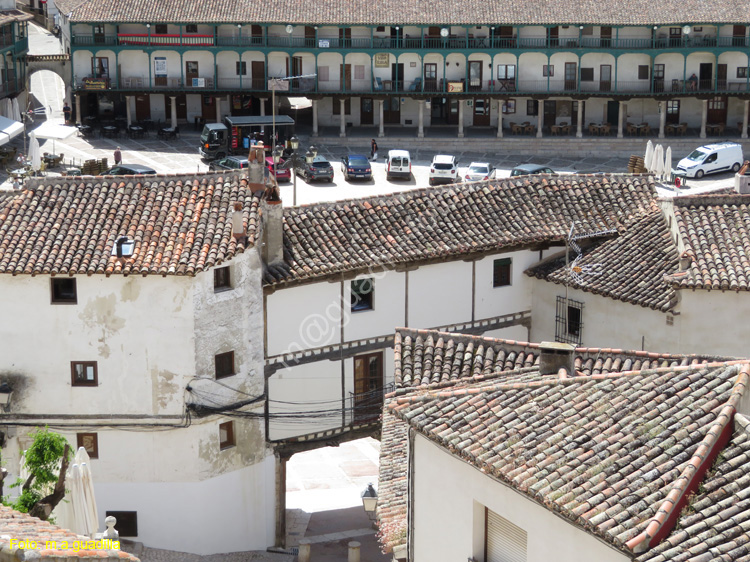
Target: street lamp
{"x": 295, "y": 160}
{"x": 370, "y": 501}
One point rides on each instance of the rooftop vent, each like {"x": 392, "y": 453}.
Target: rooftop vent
{"x": 123, "y": 247}
{"x": 554, "y": 356}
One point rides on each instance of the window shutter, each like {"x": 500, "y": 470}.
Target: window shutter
{"x": 505, "y": 541}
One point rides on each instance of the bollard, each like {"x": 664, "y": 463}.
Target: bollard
{"x": 304, "y": 550}
{"x": 354, "y": 551}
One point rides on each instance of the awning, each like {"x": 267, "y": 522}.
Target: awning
{"x": 9, "y": 129}
{"x": 299, "y": 103}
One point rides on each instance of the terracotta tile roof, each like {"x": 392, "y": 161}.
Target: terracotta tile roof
{"x": 714, "y": 526}
{"x": 715, "y": 232}
{"x": 22, "y": 527}
{"x": 392, "y": 481}
{"x": 629, "y": 267}
{"x": 453, "y": 221}
{"x": 428, "y": 358}
{"x": 181, "y": 224}
{"x": 617, "y": 454}
{"x": 472, "y": 12}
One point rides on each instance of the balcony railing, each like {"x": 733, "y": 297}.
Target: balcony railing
{"x": 411, "y": 42}
{"x": 459, "y": 86}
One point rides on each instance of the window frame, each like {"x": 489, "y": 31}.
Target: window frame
{"x": 502, "y": 272}
{"x": 191, "y": 28}
{"x": 563, "y": 332}
{"x": 74, "y": 381}
{"x": 59, "y": 299}
{"x": 79, "y": 443}
{"x": 742, "y": 72}
{"x": 644, "y": 69}
{"x": 532, "y": 108}
{"x": 587, "y": 74}
{"x": 368, "y": 300}
{"x": 230, "y": 441}
{"x": 548, "y": 70}
{"x": 240, "y": 67}
{"x": 219, "y": 359}
{"x": 222, "y": 279}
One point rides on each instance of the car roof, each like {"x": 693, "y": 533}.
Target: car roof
{"x": 237, "y": 158}
{"x": 444, "y": 158}
{"x": 320, "y": 159}
{"x": 529, "y": 167}
{"x": 350, "y": 156}
{"x": 135, "y": 167}
{"x": 486, "y": 164}
{"x": 397, "y": 153}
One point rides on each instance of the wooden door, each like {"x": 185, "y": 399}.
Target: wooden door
{"x": 482, "y": 112}
{"x": 397, "y": 76}
{"x": 673, "y": 112}
{"x": 345, "y": 77}
{"x": 368, "y": 386}
{"x": 143, "y": 107}
{"x": 705, "y": 76}
{"x": 550, "y": 114}
{"x": 613, "y": 112}
{"x": 605, "y": 78}
{"x": 571, "y": 78}
{"x": 345, "y": 37}
{"x": 475, "y": 75}
{"x": 721, "y": 77}
{"x": 258, "y": 75}
{"x": 504, "y": 37}
{"x": 191, "y": 71}
{"x": 395, "y": 37}
{"x": 430, "y": 77}
{"x": 452, "y": 117}
{"x": 738, "y": 36}
{"x": 181, "y": 100}
{"x": 392, "y": 110}
{"x": 552, "y": 35}
{"x": 309, "y": 36}
{"x": 717, "y": 110}
{"x": 208, "y": 108}
{"x": 296, "y": 70}
{"x": 606, "y": 36}
{"x": 365, "y": 111}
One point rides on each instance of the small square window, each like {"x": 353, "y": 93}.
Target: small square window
{"x": 587, "y": 75}
{"x": 501, "y": 272}
{"x": 64, "y": 291}
{"x": 224, "y": 364}
{"x": 161, "y": 29}
{"x": 240, "y": 68}
{"x": 362, "y": 293}
{"x": 548, "y": 70}
{"x": 222, "y": 279}
{"x": 191, "y": 28}
{"x": 380, "y": 29}
{"x": 127, "y": 522}
{"x": 226, "y": 435}
{"x": 84, "y": 373}
{"x": 90, "y": 442}
{"x": 741, "y": 72}
{"x": 643, "y": 72}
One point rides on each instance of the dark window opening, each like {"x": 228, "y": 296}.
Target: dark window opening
{"x": 224, "y": 364}
{"x": 362, "y": 293}
{"x": 226, "y": 435}
{"x": 532, "y": 107}
{"x": 501, "y": 272}
{"x": 587, "y": 75}
{"x": 643, "y": 72}
{"x": 84, "y": 373}
{"x": 191, "y": 28}
{"x": 64, "y": 291}
{"x": 222, "y": 279}
{"x": 161, "y": 29}
{"x": 568, "y": 321}
{"x": 241, "y": 68}
{"x": 127, "y": 522}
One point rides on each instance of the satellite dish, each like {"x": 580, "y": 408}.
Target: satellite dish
{"x": 289, "y": 29}
{"x": 686, "y": 29}
{"x": 444, "y": 32}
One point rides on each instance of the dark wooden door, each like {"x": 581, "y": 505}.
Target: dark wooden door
{"x": 397, "y": 76}
{"x": 181, "y": 101}
{"x": 550, "y": 114}
{"x": 717, "y": 110}
{"x": 396, "y": 37}
{"x": 309, "y": 36}
{"x": 345, "y": 37}
{"x": 452, "y": 116}
{"x": 475, "y": 75}
{"x": 430, "y": 77}
{"x": 673, "y": 112}
{"x": 368, "y": 387}
{"x": 613, "y": 112}
{"x": 571, "y": 78}
{"x": 605, "y": 78}
{"x": 392, "y": 110}
{"x": 208, "y": 108}
{"x": 191, "y": 71}
{"x": 143, "y": 107}
{"x": 258, "y": 76}
{"x": 721, "y": 77}
{"x": 705, "y": 76}
{"x": 345, "y": 77}
{"x": 552, "y": 34}
{"x": 738, "y": 35}
{"x": 365, "y": 111}
{"x": 256, "y": 35}
{"x": 504, "y": 37}
{"x": 606, "y": 36}
{"x": 482, "y": 112}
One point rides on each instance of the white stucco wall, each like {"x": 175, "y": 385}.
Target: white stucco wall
{"x": 440, "y": 294}
{"x": 449, "y": 518}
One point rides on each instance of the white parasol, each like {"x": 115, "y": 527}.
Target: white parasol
{"x": 89, "y": 498}
{"x": 658, "y": 160}
{"x": 54, "y": 131}
{"x": 668, "y": 163}
{"x": 35, "y": 153}
{"x": 649, "y": 155}
{"x": 78, "y": 523}
{"x": 16, "y": 110}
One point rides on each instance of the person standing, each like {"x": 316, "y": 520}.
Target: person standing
{"x": 66, "y": 112}
{"x": 118, "y": 156}
{"x": 373, "y": 150}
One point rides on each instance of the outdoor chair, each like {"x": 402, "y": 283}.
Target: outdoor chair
{"x": 515, "y": 128}
{"x": 605, "y": 129}
{"x": 631, "y": 129}
{"x": 416, "y": 85}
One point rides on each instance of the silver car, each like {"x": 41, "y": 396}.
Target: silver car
{"x": 479, "y": 171}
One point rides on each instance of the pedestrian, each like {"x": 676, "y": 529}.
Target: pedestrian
{"x": 66, "y": 112}
{"x": 21, "y": 159}
{"x": 373, "y": 150}
{"x": 118, "y": 156}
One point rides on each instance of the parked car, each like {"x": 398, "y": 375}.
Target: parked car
{"x": 282, "y": 174}
{"x": 480, "y": 171}
{"x": 710, "y": 159}
{"x": 528, "y": 169}
{"x": 356, "y": 166}
{"x": 319, "y": 169}
{"x": 444, "y": 169}
{"x": 398, "y": 164}
{"x": 129, "y": 170}
{"x": 229, "y": 163}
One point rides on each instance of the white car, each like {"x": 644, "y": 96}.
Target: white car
{"x": 444, "y": 169}
{"x": 479, "y": 171}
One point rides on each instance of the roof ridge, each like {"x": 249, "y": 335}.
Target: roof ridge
{"x": 716, "y": 438}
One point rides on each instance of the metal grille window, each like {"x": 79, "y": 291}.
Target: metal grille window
{"x": 568, "y": 321}
{"x": 505, "y": 542}
{"x": 224, "y": 364}
{"x": 501, "y": 272}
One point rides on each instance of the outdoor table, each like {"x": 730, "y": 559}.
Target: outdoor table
{"x": 21, "y": 173}
{"x": 165, "y": 131}
{"x": 109, "y": 131}
{"x": 136, "y": 131}
{"x": 51, "y": 160}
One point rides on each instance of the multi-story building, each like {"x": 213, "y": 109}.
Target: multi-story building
{"x": 627, "y": 69}
{"x": 14, "y": 45}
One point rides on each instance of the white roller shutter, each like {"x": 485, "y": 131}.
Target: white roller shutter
{"x": 505, "y": 541}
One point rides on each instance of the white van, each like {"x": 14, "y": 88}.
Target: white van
{"x": 711, "y": 158}
{"x": 398, "y": 164}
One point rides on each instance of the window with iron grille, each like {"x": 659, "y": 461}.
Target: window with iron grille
{"x": 224, "y": 364}
{"x": 568, "y": 321}
{"x": 501, "y": 272}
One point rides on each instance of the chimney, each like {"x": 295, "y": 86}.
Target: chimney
{"x": 273, "y": 231}
{"x": 554, "y": 356}
{"x": 238, "y": 225}
{"x": 686, "y": 260}
{"x": 256, "y": 170}
{"x": 742, "y": 179}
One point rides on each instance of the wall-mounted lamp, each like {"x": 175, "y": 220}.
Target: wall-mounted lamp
{"x": 396, "y": 28}
{"x": 148, "y": 26}
{"x": 444, "y": 32}
{"x": 580, "y": 27}
{"x": 370, "y": 501}
{"x": 656, "y": 27}
{"x": 289, "y": 29}
{"x": 6, "y": 392}
{"x": 239, "y": 26}
{"x": 687, "y": 29}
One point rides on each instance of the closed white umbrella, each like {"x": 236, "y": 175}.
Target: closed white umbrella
{"x": 89, "y": 498}
{"x": 658, "y": 160}
{"x": 35, "y": 153}
{"x": 668, "y": 163}
{"x": 77, "y": 499}
{"x": 649, "y": 155}
{"x": 16, "y": 110}
{"x": 82, "y": 456}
